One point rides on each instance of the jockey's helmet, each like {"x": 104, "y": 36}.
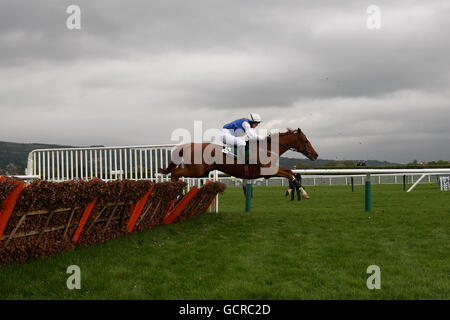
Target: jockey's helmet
{"x": 254, "y": 117}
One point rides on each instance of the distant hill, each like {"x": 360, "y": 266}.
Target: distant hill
{"x": 17, "y": 153}
{"x": 289, "y": 162}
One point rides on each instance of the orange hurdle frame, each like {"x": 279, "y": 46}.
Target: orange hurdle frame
{"x": 83, "y": 220}
{"x": 137, "y": 209}
{"x": 8, "y": 205}
{"x": 175, "y": 212}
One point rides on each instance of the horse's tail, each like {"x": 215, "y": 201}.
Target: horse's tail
{"x": 172, "y": 165}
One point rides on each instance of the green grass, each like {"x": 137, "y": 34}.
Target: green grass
{"x": 310, "y": 249}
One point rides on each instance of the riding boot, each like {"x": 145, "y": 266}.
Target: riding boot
{"x": 235, "y": 150}
{"x": 247, "y": 153}
{"x": 241, "y": 154}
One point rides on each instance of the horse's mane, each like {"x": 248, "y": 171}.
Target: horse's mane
{"x": 289, "y": 131}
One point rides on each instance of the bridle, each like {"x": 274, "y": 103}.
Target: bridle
{"x": 304, "y": 144}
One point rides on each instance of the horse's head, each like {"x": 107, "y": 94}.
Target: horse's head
{"x": 301, "y": 144}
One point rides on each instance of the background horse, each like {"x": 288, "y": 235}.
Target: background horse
{"x": 294, "y": 140}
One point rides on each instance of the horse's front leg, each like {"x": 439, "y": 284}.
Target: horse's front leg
{"x": 284, "y": 173}
{"x": 287, "y": 173}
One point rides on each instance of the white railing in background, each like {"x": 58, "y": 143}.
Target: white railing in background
{"x": 444, "y": 183}
{"x": 106, "y": 163}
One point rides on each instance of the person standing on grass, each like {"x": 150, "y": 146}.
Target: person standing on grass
{"x": 289, "y": 191}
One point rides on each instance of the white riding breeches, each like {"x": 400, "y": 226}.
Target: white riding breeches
{"x": 227, "y": 138}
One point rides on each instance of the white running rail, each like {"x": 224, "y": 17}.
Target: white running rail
{"x": 369, "y": 172}
{"x": 106, "y": 163}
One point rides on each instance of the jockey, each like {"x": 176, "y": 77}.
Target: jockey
{"x": 232, "y": 132}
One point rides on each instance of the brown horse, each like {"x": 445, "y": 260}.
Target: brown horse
{"x": 291, "y": 140}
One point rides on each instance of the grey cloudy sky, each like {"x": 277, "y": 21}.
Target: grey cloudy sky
{"x": 137, "y": 70}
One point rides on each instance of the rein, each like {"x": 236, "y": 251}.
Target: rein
{"x": 301, "y": 140}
